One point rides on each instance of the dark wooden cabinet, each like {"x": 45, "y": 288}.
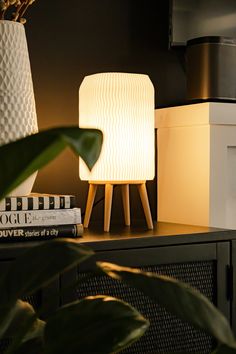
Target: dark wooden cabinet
{"x": 198, "y": 256}
{"x": 202, "y": 257}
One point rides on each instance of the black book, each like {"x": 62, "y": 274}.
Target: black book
{"x": 40, "y": 232}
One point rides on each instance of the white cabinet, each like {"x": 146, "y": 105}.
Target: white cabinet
{"x": 197, "y": 164}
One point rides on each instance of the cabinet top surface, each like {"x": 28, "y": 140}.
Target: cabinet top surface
{"x": 163, "y": 234}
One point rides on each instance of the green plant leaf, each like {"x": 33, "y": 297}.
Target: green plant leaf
{"x": 33, "y": 346}
{"x": 223, "y": 349}
{"x": 180, "y": 299}
{"x": 97, "y": 324}
{"x": 7, "y": 313}
{"x": 24, "y": 326}
{"x": 22, "y": 312}
{"x": 21, "y": 158}
{"x": 39, "y": 265}
{"x": 13, "y": 316}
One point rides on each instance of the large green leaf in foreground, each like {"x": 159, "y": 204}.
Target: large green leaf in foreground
{"x": 21, "y": 158}
{"x": 99, "y": 324}
{"x": 178, "y": 298}
{"x": 35, "y": 268}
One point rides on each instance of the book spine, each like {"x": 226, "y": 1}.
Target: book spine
{"x": 40, "y": 217}
{"x": 41, "y": 232}
{"x": 44, "y": 202}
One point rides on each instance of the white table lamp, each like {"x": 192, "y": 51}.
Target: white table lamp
{"x": 121, "y": 105}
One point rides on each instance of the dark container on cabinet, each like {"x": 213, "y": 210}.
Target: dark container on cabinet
{"x": 210, "y": 69}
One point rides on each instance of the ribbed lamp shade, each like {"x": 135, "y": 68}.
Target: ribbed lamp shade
{"x": 122, "y": 106}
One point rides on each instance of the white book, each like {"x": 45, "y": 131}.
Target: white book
{"x": 40, "y": 217}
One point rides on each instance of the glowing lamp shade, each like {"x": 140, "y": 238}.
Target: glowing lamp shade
{"x": 121, "y": 105}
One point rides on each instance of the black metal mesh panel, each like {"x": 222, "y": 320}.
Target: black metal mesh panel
{"x": 166, "y": 333}
{"x": 35, "y": 300}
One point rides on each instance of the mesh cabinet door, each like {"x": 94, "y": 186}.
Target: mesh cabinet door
{"x": 202, "y": 266}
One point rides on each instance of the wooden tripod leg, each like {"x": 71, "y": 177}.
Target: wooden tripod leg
{"x": 126, "y": 205}
{"x": 89, "y": 205}
{"x": 145, "y": 203}
{"x": 107, "y": 207}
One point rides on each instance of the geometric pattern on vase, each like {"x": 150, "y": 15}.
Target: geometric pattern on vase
{"x": 17, "y": 104}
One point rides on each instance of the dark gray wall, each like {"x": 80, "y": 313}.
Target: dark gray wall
{"x": 70, "y": 39}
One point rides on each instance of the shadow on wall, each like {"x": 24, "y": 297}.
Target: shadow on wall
{"x": 68, "y": 42}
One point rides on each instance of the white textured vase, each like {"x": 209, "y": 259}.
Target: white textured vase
{"x": 17, "y": 104}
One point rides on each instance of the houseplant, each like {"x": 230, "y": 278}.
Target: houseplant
{"x": 14, "y": 10}
{"x": 97, "y": 316}
{"x": 99, "y": 324}
{"x": 37, "y": 336}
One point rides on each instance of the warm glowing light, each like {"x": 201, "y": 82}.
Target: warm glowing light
{"x": 122, "y": 106}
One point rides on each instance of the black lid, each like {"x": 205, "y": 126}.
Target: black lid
{"x": 212, "y": 39}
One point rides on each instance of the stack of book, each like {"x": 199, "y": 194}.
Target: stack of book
{"x": 39, "y": 216}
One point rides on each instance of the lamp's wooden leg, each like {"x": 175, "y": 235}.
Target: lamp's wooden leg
{"x": 145, "y": 203}
{"x": 126, "y": 205}
{"x": 107, "y": 207}
{"x": 89, "y": 205}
